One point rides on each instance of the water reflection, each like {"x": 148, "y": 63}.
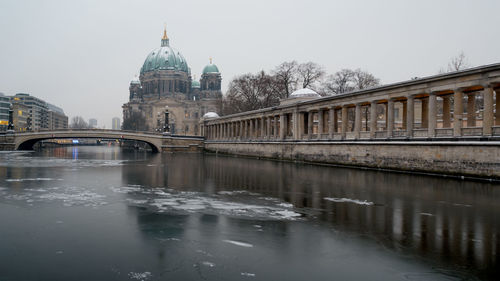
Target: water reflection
{"x": 207, "y": 217}
{"x": 451, "y": 221}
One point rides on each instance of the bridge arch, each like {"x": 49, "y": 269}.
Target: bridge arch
{"x": 26, "y": 141}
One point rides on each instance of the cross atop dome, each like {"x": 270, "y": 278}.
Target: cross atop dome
{"x": 164, "y": 39}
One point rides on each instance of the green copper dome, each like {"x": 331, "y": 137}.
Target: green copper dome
{"x": 210, "y": 68}
{"x": 195, "y": 84}
{"x": 165, "y": 58}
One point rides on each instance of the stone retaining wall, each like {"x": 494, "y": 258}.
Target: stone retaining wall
{"x": 475, "y": 159}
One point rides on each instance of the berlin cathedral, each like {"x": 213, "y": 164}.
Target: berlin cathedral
{"x": 165, "y": 85}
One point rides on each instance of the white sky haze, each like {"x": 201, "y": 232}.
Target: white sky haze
{"x": 81, "y": 55}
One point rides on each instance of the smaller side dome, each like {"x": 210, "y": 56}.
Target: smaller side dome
{"x": 195, "y": 84}
{"x": 210, "y": 115}
{"x": 135, "y": 81}
{"x": 210, "y": 68}
{"x": 301, "y": 93}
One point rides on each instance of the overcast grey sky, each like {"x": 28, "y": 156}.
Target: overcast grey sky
{"x": 81, "y": 55}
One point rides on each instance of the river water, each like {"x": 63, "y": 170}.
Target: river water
{"x": 97, "y": 213}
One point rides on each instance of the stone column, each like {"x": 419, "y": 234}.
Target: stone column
{"x": 410, "y": 116}
{"x": 458, "y": 111}
{"x": 250, "y": 129}
{"x": 282, "y": 126}
{"x": 310, "y": 119}
{"x": 488, "y": 111}
{"x": 262, "y": 127}
{"x": 471, "y": 110}
{"x": 344, "y": 121}
{"x": 425, "y": 113}
{"x": 357, "y": 120}
{"x": 268, "y": 129}
{"x": 497, "y": 107}
{"x": 296, "y": 126}
{"x": 373, "y": 119}
{"x": 244, "y": 129}
{"x": 405, "y": 112}
{"x": 331, "y": 125}
{"x": 276, "y": 134}
{"x": 320, "y": 122}
{"x": 432, "y": 115}
{"x": 390, "y": 117}
{"x": 446, "y": 112}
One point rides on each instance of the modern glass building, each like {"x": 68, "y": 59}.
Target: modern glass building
{"x": 4, "y": 112}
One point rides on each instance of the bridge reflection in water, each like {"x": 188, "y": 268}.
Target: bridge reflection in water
{"x": 449, "y": 221}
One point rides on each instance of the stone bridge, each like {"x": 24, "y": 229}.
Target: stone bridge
{"x": 157, "y": 142}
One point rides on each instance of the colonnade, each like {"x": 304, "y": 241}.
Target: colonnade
{"x": 460, "y": 112}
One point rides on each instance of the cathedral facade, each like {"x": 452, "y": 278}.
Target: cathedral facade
{"x": 165, "y": 85}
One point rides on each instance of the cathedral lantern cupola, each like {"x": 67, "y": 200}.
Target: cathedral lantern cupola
{"x": 164, "y": 39}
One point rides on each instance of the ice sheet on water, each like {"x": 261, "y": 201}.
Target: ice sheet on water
{"x": 20, "y": 161}
{"x": 237, "y": 192}
{"x": 239, "y": 243}
{"x": 170, "y": 200}
{"x": 68, "y": 196}
{"x": 32, "y": 179}
{"x": 75, "y": 196}
{"x": 207, "y": 263}
{"x": 140, "y": 275}
{"x": 348, "y": 200}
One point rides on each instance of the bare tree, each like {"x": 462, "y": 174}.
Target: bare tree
{"x": 363, "y": 80}
{"x": 347, "y": 80}
{"x": 286, "y": 77}
{"x": 309, "y": 73}
{"x": 458, "y": 63}
{"x": 339, "y": 82}
{"x": 135, "y": 121}
{"x": 77, "y": 122}
{"x": 250, "y": 92}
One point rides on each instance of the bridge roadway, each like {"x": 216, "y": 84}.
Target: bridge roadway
{"x": 158, "y": 142}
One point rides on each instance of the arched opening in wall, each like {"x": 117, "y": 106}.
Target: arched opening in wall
{"x": 40, "y": 143}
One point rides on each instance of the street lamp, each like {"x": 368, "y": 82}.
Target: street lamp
{"x": 166, "y": 127}
{"x": 158, "y": 122}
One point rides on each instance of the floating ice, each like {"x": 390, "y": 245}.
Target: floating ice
{"x": 170, "y": 200}
{"x": 286, "y": 214}
{"x": 207, "y": 263}
{"x": 33, "y": 179}
{"x": 69, "y": 196}
{"x": 236, "y": 192}
{"x": 238, "y": 243}
{"x": 75, "y": 196}
{"x": 140, "y": 275}
{"x": 348, "y": 200}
